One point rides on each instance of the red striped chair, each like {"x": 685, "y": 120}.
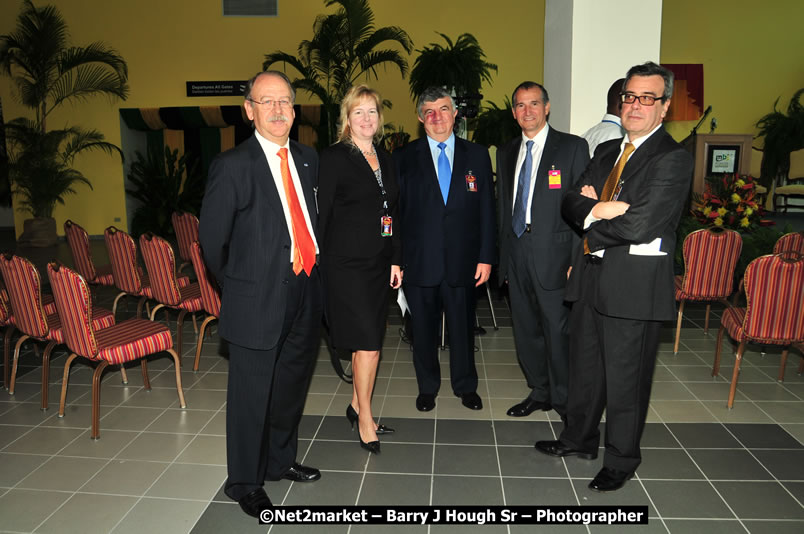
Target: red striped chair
{"x": 25, "y": 294}
{"x": 186, "y": 227}
{"x": 210, "y": 296}
{"x": 129, "y": 278}
{"x": 710, "y": 257}
{"x": 774, "y": 292}
{"x": 127, "y": 341}
{"x": 7, "y": 322}
{"x": 793, "y": 241}
{"x": 78, "y": 239}
{"x": 161, "y": 266}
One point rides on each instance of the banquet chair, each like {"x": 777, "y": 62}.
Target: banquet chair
{"x": 210, "y": 296}
{"x": 24, "y": 288}
{"x": 774, "y": 290}
{"x": 123, "y": 342}
{"x": 186, "y": 227}
{"x": 793, "y": 241}
{"x": 129, "y": 278}
{"x": 710, "y": 257}
{"x": 160, "y": 263}
{"x": 78, "y": 239}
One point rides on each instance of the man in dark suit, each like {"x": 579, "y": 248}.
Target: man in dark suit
{"x": 447, "y": 215}
{"x": 257, "y": 231}
{"x": 621, "y": 284}
{"x": 534, "y": 171}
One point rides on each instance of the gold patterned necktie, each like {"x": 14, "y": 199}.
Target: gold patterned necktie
{"x": 611, "y": 183}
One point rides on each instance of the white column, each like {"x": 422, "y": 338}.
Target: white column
{"x": 587, "y": 45}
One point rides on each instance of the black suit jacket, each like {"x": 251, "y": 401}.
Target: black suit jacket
{"x": 552, "y": 237}
{"x": 445, "y": 243}
{"x": 350, "y": 204}
{"x": 246, "y": 240}
{"x": 656, "y": 182}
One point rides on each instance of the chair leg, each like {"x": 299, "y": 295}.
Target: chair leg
{"x": 152, "y": 313}
{"x": 6, "y": 347}
{"x": 735, "y": 374}
{"x": 96, "y": 377}
{"x": 172, "y": 352}
{"x": 123, "y": 375}
{"x": 678, "y": 326}
{"x": 491, "y": 307}
{"x": 46, "y": 372}
{"x": 718, "y": 346}
{"x": 14, "y": 366}
{"x": 64, "y": 380}
{"x": 179, "y": 328}
{"x": 145, "y": 381}
{"x": 200, "y": 341}
{"x": 140, "y": 304}
{"x": 784, "y": 362}
{"x": 195, "y": 324}
{"x": 706, "y": 319}
{"x": 116, "y": 300}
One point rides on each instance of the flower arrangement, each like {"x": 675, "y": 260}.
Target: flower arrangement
{"x": 729, "y": 201}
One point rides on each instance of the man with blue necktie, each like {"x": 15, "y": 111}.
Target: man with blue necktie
{"x": 447, "y": 223}
{"x": 534, "y": 172}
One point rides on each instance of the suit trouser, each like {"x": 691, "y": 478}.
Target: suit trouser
{"x": 425, "y": 315}
{"x": 611, "y": 367}
{"x": 541, "y": 327}
{"x": 267, "y": 390}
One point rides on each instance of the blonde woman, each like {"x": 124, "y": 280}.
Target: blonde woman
{"x": 361, "y": 252}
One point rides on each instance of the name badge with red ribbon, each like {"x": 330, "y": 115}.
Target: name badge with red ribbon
{"x": 471, "y": 182}
{"x": 554, "y": 179}
{"x": 386, "y": 226}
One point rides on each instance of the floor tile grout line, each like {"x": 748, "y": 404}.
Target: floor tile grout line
{"x": 706, "y": 477}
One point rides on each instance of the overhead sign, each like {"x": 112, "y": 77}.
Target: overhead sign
{"x": 216, "y": 88}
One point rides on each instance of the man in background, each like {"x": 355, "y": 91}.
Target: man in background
{"x": 610, "y": 127}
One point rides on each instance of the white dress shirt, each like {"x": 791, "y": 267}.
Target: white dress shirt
{"x": 271, "y": 150}
{"x": 536, "y": 152}
{"x": 607, "y": 129}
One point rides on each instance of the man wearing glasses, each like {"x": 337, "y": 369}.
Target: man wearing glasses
{"x": 621, "y": 283}
{"x": 257, "y": 231}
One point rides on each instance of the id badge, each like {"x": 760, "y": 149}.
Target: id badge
{"x": 386, "y": 226}
{"x": 471, "y": 182}
{"x": 554, "y": 179}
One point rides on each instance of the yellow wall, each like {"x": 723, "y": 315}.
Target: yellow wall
{"x": 752, "y": 52}
{"x": 168, "y": 42}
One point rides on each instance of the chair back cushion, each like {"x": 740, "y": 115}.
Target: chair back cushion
{"x": 794, "y": 241}
{"x": 74, "y": 304}
{"x": 5, "y": 306}
{"x": 25, "y": 294}
{"x": 123, "y": 257}
{"x": 210, "y": 293}
{"x": 709, "y": 261}
{"x": 78, "y": 239}
{"x": 161, "y": 267}
{"x": 774, "y": 291}
{"x": 186, "y": 227}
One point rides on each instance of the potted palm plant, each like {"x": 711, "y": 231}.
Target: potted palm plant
{"x": 783, "y": 134}
{"x": 47, "y": 72}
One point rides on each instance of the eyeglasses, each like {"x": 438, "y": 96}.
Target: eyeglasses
{"x": 284, "y": 103}
{"x": 645, "y": 100}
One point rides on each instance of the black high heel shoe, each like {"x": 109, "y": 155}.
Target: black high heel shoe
{"x": 372, "y": 446}
{"x": 351, "y": 416}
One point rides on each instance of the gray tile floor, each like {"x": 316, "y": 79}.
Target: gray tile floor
{"x": 159, "y": 468}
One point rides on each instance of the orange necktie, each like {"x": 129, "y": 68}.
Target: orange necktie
{"x": 611, "y": 183}
{"x": 303, "y": 246}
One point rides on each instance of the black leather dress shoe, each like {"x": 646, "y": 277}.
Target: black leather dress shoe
{"x": 559, "y": 449}
{"x": 527, "y": 407}
{"x": 301, "y": 473}
{"x": 610, "y": 480}
{"x": 425, "y": 402}
{"x": 255, "y": 502}
{"x": 471, "y": 401}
